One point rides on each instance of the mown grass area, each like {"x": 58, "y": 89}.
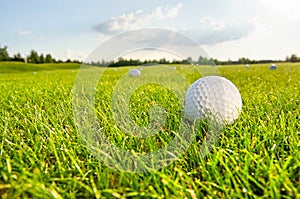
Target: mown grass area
{"x": 21, "y": 67}
{"x": 42, "y": 155}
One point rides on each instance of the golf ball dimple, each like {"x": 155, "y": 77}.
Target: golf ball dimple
{"x": 213, "y": 96}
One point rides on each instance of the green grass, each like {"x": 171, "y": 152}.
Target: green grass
{"x": 42, "y": 155}
{"x": 20, "y": 67}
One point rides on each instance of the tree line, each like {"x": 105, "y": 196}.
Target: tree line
{"x": 34, "y": 57}
{"x": 201, "y": 61}
{"x": 136, "y": 62}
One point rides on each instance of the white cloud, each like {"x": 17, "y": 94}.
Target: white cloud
{"x": 73, "y": 54}
{"x": 211, "y": 31}
{"x": 267, "y": 41}
{"x": 276, "y": 33}
{"x": 205, "y": 30}
{"x": 137, "y": 19}
{"x": 102, "y": 37}
{"x": 273, "y": 31}
{"x": 24, "y": 32}
{"x": 289, "y": 7}
{"x": 268, "y": 30}
{"x": 69, "y": 53}
{"x": 151, "y": 54}
{"x": 212, "y": 23}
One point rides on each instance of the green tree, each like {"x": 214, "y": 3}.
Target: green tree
{"x": 162, "y": 61}
{"x": 4, "y": 56}
{"x": 49, "y": 59}
{"x": 17, "y": 57}
{"x": 294, "y": 58}
{"x": 287, "y": 59}
{"x": 41, "y": 59}
{"x": 33, "y": 57}
{"x": 203, "y": 60}
{"x": 190, "y": 60}
{"x": 244, "y": 60}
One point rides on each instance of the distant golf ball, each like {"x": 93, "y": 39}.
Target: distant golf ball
{"x": 213, "y": 96}
{"x": 134, "y": 72}
{"x": 273, "y": 66}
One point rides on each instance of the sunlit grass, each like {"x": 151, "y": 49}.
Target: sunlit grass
{"x": 42, "y": 156}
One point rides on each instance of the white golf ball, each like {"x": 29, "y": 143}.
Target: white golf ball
{"x": 273, "y": 66}
{"x": 213, "y": 96}
{"x": 135, "y": 72}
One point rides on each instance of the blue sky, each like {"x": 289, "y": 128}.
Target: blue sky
{"x": 225, "y": 29}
